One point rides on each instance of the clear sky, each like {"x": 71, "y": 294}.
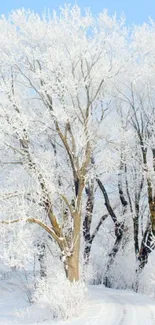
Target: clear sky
{"x": 136, "y": 11}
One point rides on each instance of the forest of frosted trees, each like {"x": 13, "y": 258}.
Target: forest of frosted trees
{"x": 77, "y": 151}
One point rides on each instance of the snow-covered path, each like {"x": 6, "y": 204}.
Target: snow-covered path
{"x": 117, "y": 307}
{"x": 105, "y": 306}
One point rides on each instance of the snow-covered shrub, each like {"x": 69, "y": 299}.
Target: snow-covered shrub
{"x": 63, "y": 298}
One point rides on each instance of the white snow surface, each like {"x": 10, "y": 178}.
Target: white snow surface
{"x": 105, "y": 306}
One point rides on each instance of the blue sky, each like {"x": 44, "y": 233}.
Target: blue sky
{"x": 136, "y": 11}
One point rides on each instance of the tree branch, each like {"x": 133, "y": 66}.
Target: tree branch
{"x": 107, "y": 202}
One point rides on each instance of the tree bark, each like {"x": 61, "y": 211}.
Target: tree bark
{"x": 146, "y": 247}
{"x": 42, "y": 259}
{"x": 87, "y": 222}
{"x": 72, "y": 267}
{"x": 119, "y": 231}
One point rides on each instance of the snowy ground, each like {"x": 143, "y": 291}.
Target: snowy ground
{"x": 105, "y": 306}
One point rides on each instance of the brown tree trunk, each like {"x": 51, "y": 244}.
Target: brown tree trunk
{"x": 72, "y": 267}
{"x": 72, "y": 261}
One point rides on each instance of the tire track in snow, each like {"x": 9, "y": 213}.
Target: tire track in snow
{"x": 136, "y": 308}
{"x": 116, "y": 300}
{"x": 152, "y": 315}
{"x": 123, "y": 317}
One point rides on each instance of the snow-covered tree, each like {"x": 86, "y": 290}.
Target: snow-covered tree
{"x": 77, "y": 142}
{"x": 56, "y": 73}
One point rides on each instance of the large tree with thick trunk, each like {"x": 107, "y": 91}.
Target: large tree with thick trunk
{"x": 54, "y": 77}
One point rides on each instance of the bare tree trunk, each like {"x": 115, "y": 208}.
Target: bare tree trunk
{"x": 119, "y": 226}
{"x": 42, "y": 258}
{"x": 88, "y": 244}
{"x": 87, "y": 221}
{"x": 72, "y": 267}
{"x": 136, "y": 218}
{"x": 71, "y": 262}
{"x": 147, "y": 245}
{"x": 119, "y": 231}
{"x": 136, "y": 232}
